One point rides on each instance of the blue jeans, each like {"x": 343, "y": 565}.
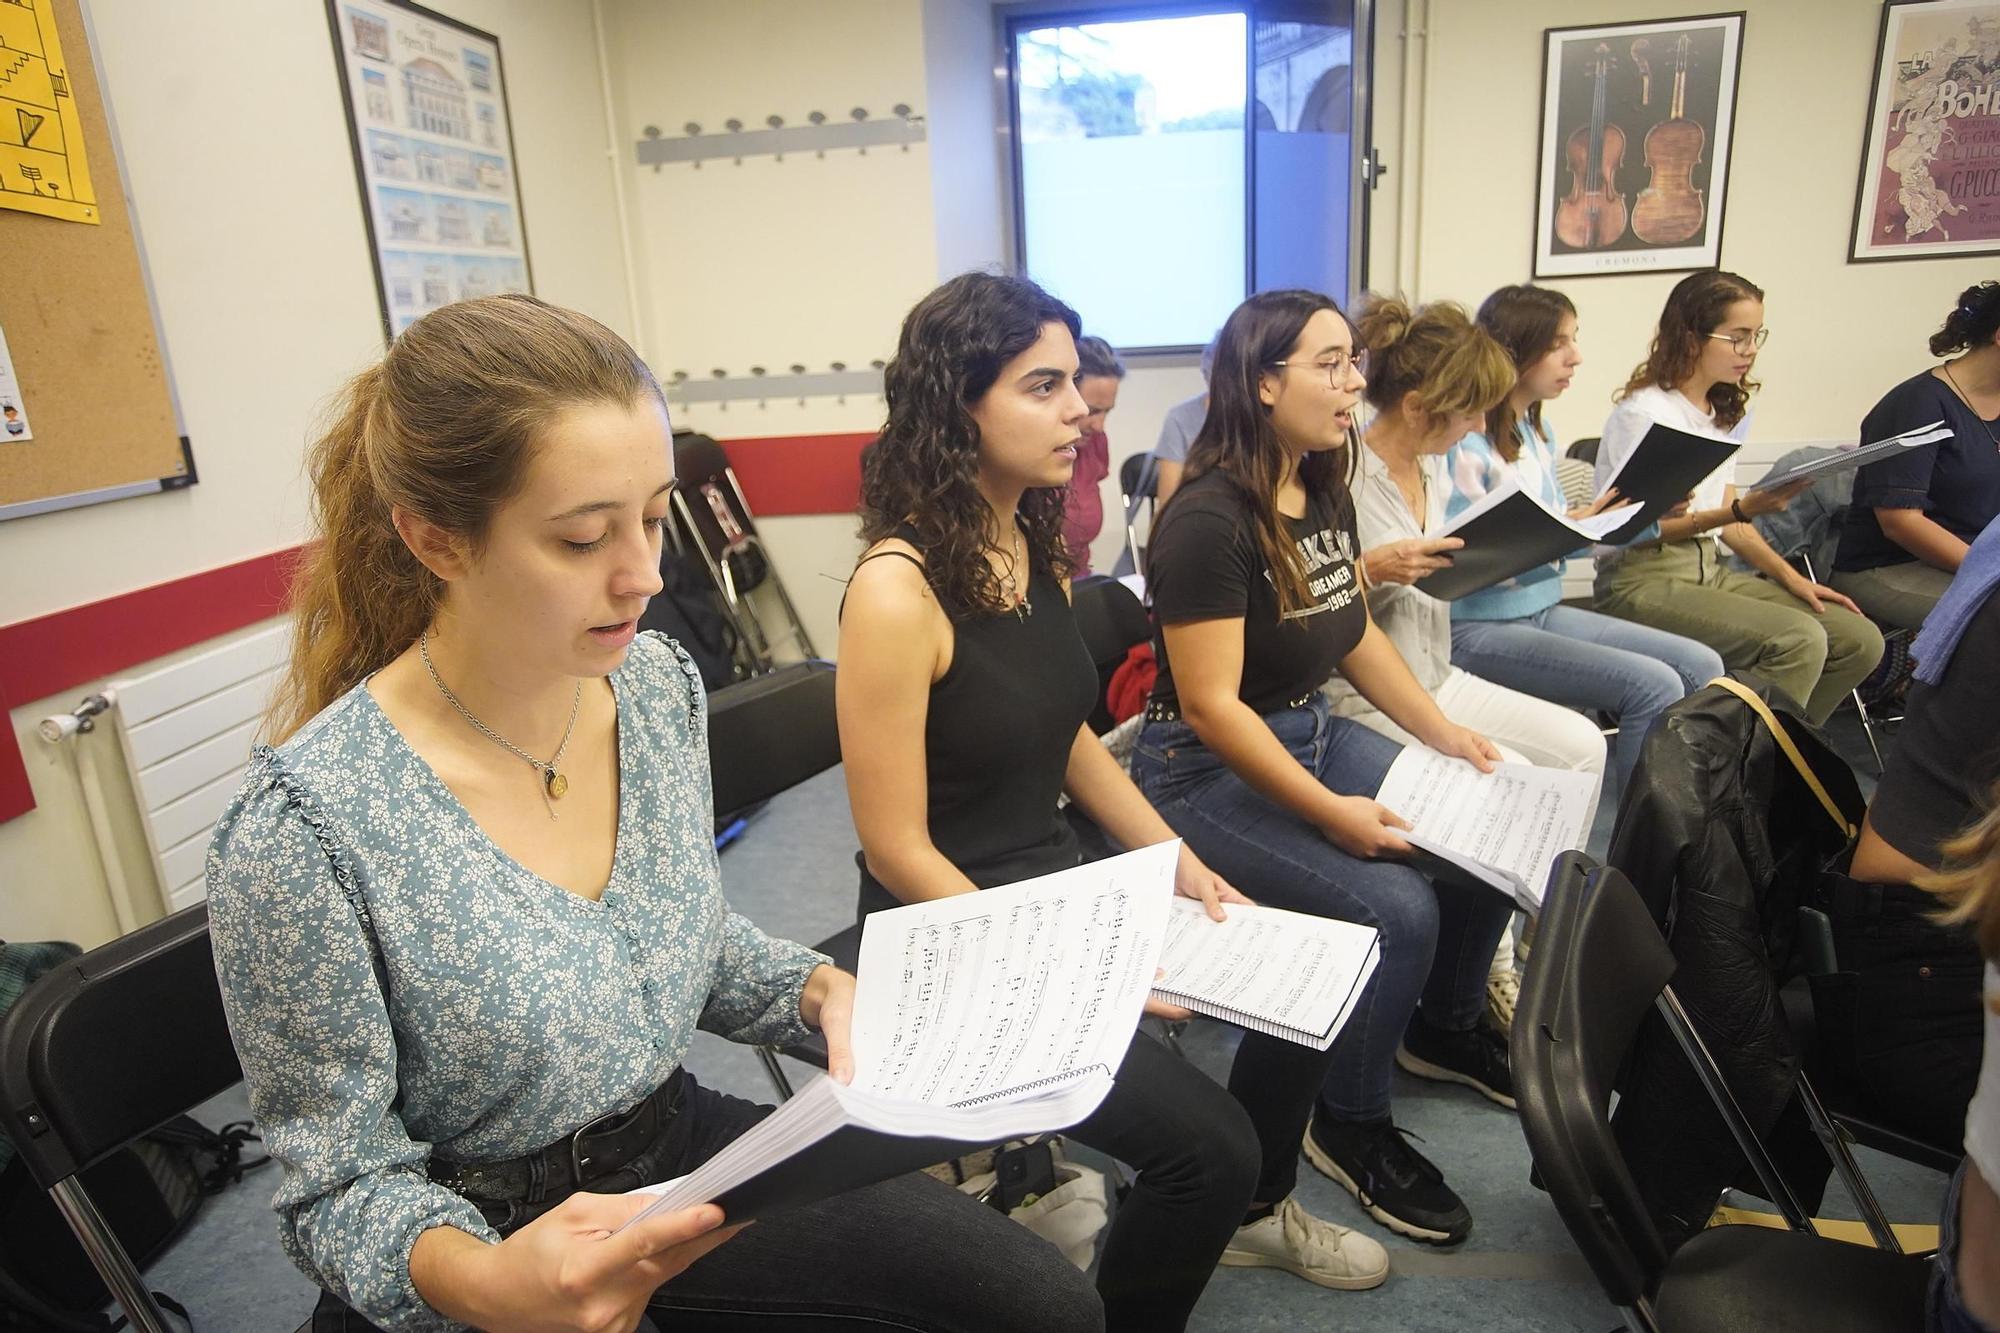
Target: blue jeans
{"x": 1585, "y": 660}
{"x": 1436, "y": 940}
{"x": 1945, "y": 1312}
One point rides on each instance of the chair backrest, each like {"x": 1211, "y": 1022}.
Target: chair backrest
{"x": 1598, "y": 966}
{"x": 113, "y": 1044}
{"x": 1138, "y": 479}
{"x": 709, "y": 507}
{"x": 771, "y": 733}
{"x": 1111, "y": 619}
{"x": 1584, "y": 449}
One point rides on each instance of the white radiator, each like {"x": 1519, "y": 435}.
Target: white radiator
{"x": 183, "y": 736}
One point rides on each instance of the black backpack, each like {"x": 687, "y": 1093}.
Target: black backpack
{"x": 689, "y": 611}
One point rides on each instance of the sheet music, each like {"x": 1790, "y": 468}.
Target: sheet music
{"x": 1283, "y": 973}
{"x": 1856, "y": 456}
{"x": 961, "y": 999}
{"x": 1514, "y": 821}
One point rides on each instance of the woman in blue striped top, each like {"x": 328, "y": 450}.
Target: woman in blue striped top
{"x": 1518, "y": 633}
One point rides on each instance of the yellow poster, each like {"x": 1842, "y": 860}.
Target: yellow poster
{"x": 42, "y": 164}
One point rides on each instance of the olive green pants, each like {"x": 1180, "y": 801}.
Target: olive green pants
{"x": 1900, "y": 595}
{"x": 1685, "y": 587}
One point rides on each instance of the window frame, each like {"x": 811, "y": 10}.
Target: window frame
{"x": 1363, "y": 167}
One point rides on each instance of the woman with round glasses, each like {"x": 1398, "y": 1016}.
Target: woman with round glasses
{"x": 1801, "y": 636}
{"x": 1257, "y": 591}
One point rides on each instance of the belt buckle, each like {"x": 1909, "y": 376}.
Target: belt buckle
{"x": 607, "y": 1123}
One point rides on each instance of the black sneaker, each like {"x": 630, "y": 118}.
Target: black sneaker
{"x": 1398, "y": 1185}
{"x": 1476, "y": 1058}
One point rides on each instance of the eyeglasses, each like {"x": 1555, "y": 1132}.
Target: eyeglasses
{"x": 1744, "y": 343}
{"x": 1342, "y": 362}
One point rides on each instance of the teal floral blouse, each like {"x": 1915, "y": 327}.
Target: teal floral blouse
{"x": 397, "y": 985}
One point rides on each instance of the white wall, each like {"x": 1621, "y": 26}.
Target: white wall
{"x": 1841, "y": 334}
{"x": 240, "y": 173}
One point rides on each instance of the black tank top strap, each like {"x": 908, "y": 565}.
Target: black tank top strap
{"x": 903, "y": 534}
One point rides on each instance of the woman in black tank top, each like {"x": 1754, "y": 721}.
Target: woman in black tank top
{"x": 963, "y": 691}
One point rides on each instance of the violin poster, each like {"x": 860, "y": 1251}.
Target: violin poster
{"x": 1636, "y": 123}
{"x": 1930, "y": 167}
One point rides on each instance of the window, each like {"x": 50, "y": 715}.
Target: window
{"x": 1166, "y": 166}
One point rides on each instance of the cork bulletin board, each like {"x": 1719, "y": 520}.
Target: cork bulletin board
{"x": 75, "y": 308}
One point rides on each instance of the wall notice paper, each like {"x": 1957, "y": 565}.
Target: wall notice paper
{"x": 1282, "y": 973}
{"x": 977, "y": 1018}
{"x": 1507, "y": 532}
{"x": 1505, "y": 828}
{"x": 1853, "y": 456}
{"x": 43, "y": 168}
{"x": 13, "y": 408}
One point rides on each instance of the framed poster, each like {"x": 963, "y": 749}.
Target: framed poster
{"x": 1634, "y": 161}
{"x": 1930, "y": 164}
{"x": 434, "y": 152}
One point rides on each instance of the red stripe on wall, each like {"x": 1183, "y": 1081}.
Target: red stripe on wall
{"x": 65, "y": 649}
{"x": 781, "y": 475}
{"x": 799, "y": 474}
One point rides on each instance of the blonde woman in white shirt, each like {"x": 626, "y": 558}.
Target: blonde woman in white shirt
{"x": 1803, "y": 637}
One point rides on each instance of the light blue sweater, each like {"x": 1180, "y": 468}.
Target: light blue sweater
{"x": 1475, "y": 469}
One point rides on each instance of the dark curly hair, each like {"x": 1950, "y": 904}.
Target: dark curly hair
{"x": 1972, "y": 322}
{"x": 1695, "y": 308}
{"x": 922, "y": 472}
{"x": 1238, "y": 440}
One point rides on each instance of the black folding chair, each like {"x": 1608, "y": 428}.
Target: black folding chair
{"x": 1113, "y": 622}
{"x": 1599, "y": 964}
{"x": 101, "y": 1050}
{"x": 765, "y": 736}
{"x": 1138, "y": 488}
{"x": 711, "y": 519}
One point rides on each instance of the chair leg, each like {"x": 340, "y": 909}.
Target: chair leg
{"x": 108, "y": 1257}
{"x": 774, "y": 1071}
{"x": 1835, "y": 1140}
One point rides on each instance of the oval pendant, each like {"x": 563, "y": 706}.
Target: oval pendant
{"x": 557, "y": 784}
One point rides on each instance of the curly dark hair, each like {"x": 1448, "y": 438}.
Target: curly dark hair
{"x": 919, "y": 479}
{"x": 1695, "y": 308}
{"x": 1972, "y": 322}
{"x": 1238, "y": 440}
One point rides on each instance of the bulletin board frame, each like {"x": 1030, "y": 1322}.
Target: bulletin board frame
{"x": 87, "y": 308}
{"x": 434, "y": 156}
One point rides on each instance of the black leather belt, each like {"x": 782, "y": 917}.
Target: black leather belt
{"x": 588, "y": 1153}
{"x": 1171, "y": 712}
{"x": 1846, "y": 899}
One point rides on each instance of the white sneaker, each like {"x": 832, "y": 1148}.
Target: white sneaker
{"x": 1503, "y": 993}
{"x": 1317, "y": 1250}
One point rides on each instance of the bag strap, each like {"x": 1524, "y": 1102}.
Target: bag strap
{"x": 1791, "y": 749}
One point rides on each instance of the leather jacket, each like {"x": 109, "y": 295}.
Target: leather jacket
{"x": 1725, "y": 841}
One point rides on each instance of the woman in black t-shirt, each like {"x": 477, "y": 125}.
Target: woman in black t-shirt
{"x": 963, "y": 694}
{"x": 1914, "y": 514}
{"x": 1258, "y": 600}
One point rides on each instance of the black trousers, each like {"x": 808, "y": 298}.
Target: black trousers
{"x": 1900, "y": 1023}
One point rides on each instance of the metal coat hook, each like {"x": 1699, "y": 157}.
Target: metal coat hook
{"x": 757, "y": 372}
{"x": 902, "y": 110}
{"x": 798, "y": 368}
{"x": 721, "y": 374}
{"x": 734, "y": 126}
{"x": 840, "y": 367}
{"x": 693, "y": 129}
{"x": 860, "y": 114}
{"x": 777, "y": 123}
{"x": 817, "y": 119}
{"x": 653, "y": 132}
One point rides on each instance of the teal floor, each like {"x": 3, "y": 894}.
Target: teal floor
{"x": 794, "y": 875}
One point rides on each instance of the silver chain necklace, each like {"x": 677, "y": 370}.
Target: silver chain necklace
{"x": 554, "y": 784}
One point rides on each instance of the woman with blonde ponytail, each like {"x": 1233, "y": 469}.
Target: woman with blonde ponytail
{"x": 467, "y": 914}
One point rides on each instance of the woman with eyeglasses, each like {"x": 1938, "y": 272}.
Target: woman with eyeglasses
{"x": 1257, "y": 593}
{"x": 1803, "y": 637}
